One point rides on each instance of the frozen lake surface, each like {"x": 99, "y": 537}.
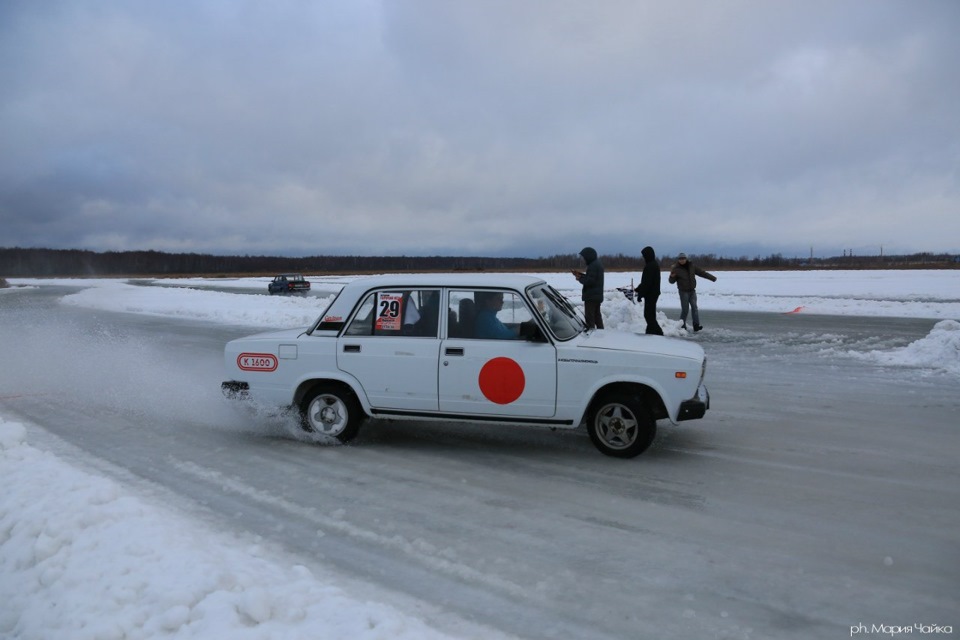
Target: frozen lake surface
{"x": 820, "y": 492}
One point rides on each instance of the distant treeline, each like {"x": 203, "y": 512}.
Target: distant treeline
{"x": 38, "y": 263}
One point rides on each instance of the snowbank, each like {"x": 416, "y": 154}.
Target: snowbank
{"x": 939, "y": 350}
{"x": 209, "y": 306}
{"x": 82, "y": 559}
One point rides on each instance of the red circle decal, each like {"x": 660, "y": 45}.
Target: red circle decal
{"x": 501, "y": 380}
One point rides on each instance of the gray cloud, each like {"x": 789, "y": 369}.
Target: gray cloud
{"x": 496, "y": 128}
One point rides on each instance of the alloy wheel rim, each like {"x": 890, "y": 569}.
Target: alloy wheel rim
{"x": 328, "y": 415}
{"x": 617, "y": 426}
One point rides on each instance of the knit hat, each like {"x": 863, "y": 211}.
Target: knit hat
{"x": 682, "y": 255}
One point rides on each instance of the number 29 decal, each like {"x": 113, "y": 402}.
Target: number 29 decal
{"x": 388, "y": 315}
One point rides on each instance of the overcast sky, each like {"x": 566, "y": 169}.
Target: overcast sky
{"x": 493, "y": 127}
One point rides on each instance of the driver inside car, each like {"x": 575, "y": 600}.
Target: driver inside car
{"x": 487, "y": 325}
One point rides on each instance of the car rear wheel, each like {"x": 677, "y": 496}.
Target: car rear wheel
{"x": 621, "y": 425}
{"x": 333, "y": 411}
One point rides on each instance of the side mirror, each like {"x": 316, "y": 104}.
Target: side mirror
{"x": 531, "y": 332}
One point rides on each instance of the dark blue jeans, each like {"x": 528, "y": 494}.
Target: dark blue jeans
{"x": 688, "y": 300}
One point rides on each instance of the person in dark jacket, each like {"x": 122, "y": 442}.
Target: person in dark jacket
{"x": 592, "y": 281}
{"x": 685, "y": 275}
{"x": 649, "y": 290}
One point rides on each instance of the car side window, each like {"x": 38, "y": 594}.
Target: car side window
{"x": 487, "y": 314}
{"x": 362, "y": 323}
{"x": 405, "y": 312}
{"x": 422, "y": 313}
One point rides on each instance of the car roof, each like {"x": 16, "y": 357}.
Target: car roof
{"x": 356, "y": 288}
{"x": 508, "y": 280}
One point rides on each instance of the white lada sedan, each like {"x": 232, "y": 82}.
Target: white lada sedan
{"x": 496, "y": 348}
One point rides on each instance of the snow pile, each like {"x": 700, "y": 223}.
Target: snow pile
{"x": 621, "y": 314}
{"x": 209, "y": 306}
{"x": 938, "y": 350}
{"x": 81, "y": 559}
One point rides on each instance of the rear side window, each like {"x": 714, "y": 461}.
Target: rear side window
{"x": 402, "y": 312}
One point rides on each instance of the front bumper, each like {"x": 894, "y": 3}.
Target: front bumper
{"x": 695, "y": 408}
{"x": 235, "y": 390}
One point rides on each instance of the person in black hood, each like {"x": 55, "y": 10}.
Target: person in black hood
{"x": 649, "y": 290}
{"x": 592, "y": 281}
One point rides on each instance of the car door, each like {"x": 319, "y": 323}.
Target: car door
{"x": 385, "y": 348}
{"x": 480, "y": 374}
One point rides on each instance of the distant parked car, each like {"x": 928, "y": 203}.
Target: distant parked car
{"x": 491, "y": 348}
{"x": 289, "y": 283}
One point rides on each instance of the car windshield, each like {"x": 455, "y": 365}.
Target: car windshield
{"x": 556, "y": 310}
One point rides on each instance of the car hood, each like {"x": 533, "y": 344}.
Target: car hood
{"x": 640, "y": 343}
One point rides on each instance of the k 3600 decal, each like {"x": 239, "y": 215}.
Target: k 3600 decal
{"x": 257, "y": 361}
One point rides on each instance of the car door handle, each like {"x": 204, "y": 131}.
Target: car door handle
{"x": 453, "y": 351}
{"x": 351, "y": 348}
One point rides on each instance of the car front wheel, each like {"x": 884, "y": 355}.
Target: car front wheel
{"x": 620, "y": 425}
{"x": 333, "y": 411}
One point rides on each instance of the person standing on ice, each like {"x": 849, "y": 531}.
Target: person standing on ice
{"x": 684, "y": 274}
{"x": 592, "y": 281}
{"x": 649, "y": 290}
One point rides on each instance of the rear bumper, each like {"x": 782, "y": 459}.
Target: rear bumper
{"x": 235, "y": 389}
{"x": 288, "y": 289}
{"x": 695, "y": 408}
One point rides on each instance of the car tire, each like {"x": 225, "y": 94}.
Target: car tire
{"x": 621, "y": 425}
{"x": 333, "y": 411}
